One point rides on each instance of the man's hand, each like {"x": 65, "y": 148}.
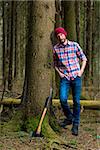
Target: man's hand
{"x": 61, "y": 75}
{"x": 80, "y": 73}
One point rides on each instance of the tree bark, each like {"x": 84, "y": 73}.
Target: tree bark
{"x": 38, "y": 54}
{"x": 89, "y": 44}
{"x": 58, "y": 18}
{"x": 77, "y": 12}
{"x": 4, "y": 45}
{"x": 20, "y": 43}
{"x": 11, "y": 21}
{"x": 69, "y": 19}
{"x": 58, "y": 23}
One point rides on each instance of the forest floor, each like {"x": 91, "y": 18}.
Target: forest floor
{"x": 88, "y": 138}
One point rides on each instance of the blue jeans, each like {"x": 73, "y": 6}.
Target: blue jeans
{"x": 76, "y": 85}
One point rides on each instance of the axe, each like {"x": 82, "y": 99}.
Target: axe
{"x": 37, "y": 133}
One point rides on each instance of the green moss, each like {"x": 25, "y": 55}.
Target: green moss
{"x": 47, "y": 130}
{"x": 13, "y": 125}
{"x": 54, "y": 124}
{"x": 17, "y": 124}
{"x": 31, "y": 123}
{"x": 73, "y": 142}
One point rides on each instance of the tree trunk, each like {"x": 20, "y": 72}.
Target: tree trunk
{"x": 5, "y": 48}
{"x": 17, "y": 41}
{"x": 93, "y": 61}
{"x": 77, "y": 12}
{"x": 11, "y": 21}
{"x": 58, "y": 18}
{"x": 58, "y": 23}
{"x": 89, "y": 44}
{"x": 38, "y": 54}
{"x": 69, "y": 19}
{"x": 97, "y": 46}
{"x": 20, "y": 43}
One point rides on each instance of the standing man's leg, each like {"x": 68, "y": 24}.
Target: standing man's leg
{"x": 76, "y": 92}
{"x": 64, "y": 92}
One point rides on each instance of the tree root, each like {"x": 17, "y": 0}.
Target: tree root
{"x": 60, "y": 143}
{"x": 54, "y": 138}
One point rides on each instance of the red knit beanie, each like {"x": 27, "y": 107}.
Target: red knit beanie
{"x": 60, "y": 30}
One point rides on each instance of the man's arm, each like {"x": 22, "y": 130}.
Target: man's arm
{"x": 82, "y": 68}
{"x": 83, "y": 58}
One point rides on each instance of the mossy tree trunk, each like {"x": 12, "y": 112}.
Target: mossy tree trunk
{"x": 39, "y": 54}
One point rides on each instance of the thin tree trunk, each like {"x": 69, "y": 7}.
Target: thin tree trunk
{"x": 10, "y": 75}
{"x": 89, "y": 44}
{"x": 5, "y": 42}
{"x": 17, "y": 50}
{"x": 93, "y": 48}
{"x": 84, "y": 41}
{"x": 15, "y": 55}
{"x": 3, "y": 15}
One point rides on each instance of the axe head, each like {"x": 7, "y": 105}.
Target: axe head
{"x": 34, "y": 134}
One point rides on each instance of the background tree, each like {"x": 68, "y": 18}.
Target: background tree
{"x": 69, "y": 19}
{"x": 58, "y": 23}
{"x": 20, "y": 44}
{"x": 77, "y": 16}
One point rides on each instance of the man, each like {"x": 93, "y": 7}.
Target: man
{"x": 66, "y": 56}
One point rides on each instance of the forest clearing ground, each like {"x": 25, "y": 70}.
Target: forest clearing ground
{"x": 88, "y": 139}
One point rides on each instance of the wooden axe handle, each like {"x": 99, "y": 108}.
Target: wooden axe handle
{"x": 40, "y": 123}
{"x": 38, "y": 131}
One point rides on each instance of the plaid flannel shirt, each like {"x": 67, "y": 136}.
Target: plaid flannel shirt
{"x": 66, "y": 58}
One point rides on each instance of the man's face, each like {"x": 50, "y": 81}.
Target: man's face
{"x": 61, "y": 37}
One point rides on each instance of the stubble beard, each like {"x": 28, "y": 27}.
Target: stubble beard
{"x": 62, "y": 41}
